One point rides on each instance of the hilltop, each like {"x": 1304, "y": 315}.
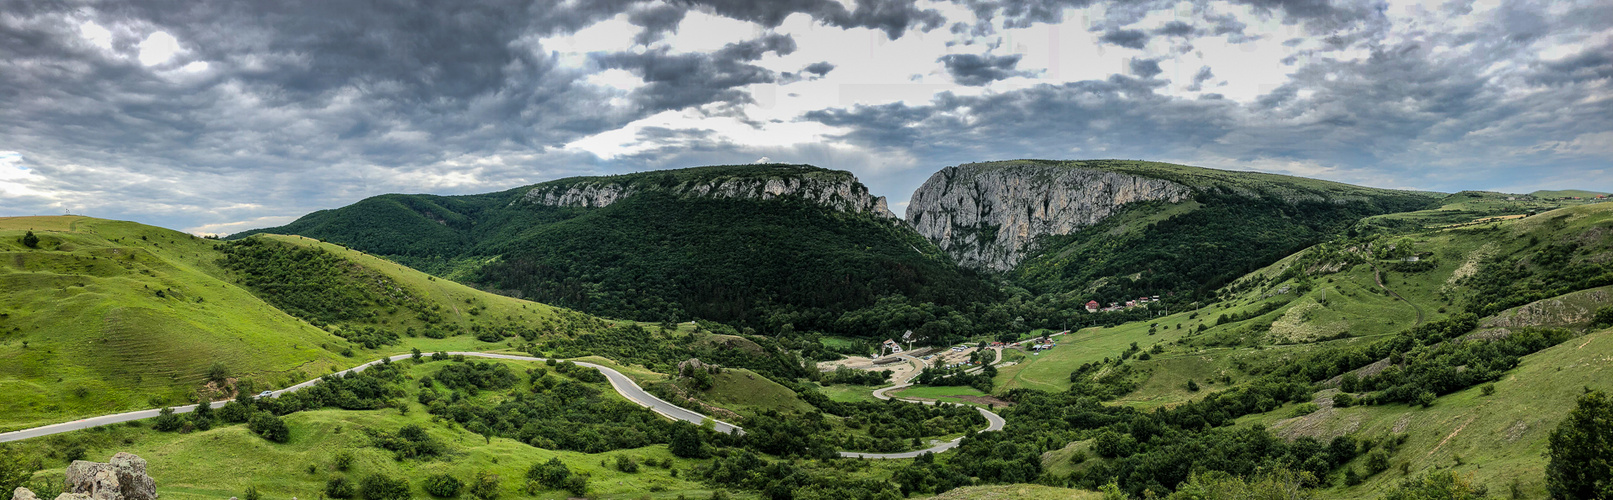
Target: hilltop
{"x": 761, "y": 246}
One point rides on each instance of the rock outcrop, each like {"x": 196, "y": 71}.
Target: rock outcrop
{"x": 121, "y": 478}
{"x": 839, "y": 192}
{"x": 988, "y": 217}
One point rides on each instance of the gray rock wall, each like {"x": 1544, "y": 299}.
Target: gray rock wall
{"x": 988, "y": 217}
{"x": 842, "y": 194}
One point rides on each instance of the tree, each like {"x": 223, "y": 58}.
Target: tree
{"x": 685, "y": 442}
{"x": 1581, "y": 450}
{"x": 380, "y": 487}
{"x": 30, "y": 241}
{"x": 442, "y": 485}
{"x": 485, "y": 486}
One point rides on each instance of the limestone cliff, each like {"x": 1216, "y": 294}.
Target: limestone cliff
{"x": 988, "y": 216}
{"x": 837, "y": 190}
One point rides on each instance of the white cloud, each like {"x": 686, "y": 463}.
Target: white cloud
{"x": 158, "y": 48}
{"x": 96, "y": 34}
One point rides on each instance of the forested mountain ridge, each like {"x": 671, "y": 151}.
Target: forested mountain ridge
{"x": 755, "y": 245}
{"x": 1113, "y": 230}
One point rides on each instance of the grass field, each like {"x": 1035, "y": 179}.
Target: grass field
{"x": 947, "y": 394}
{"x": 849, "y": 393}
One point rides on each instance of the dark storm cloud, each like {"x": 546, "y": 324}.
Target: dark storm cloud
{"x": 1146, "y": 68}
{"x": 894, "y": 17}
{"x": 657, "y": 21}
{"x": 676, "y": 81}
{"x": 1176, "y": 28}
{"x": 976, "y": 69}
{"x": 1135, "y": 39}
{"x": 819, "y": 68}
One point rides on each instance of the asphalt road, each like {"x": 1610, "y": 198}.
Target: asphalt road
{"x": 623, "y": 385}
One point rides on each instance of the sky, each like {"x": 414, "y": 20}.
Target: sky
{"x": 215, "y": 116}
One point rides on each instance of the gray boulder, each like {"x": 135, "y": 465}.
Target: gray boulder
{"x": 121, "y": 478}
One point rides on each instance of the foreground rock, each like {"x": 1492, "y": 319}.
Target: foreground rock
{"x": 121, "y": 478}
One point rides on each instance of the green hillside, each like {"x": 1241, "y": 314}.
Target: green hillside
{"x": 107, "y": 316}
{"x": 1232, "y": 224}
{"x": 1510, "y": 301}
{"x": 663, "y": 254}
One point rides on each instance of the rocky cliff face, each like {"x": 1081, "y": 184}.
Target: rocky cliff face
{"x": 842, "y": 193}
{"x": 988, "y": 217}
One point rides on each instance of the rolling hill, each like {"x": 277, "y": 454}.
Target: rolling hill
{"x": 106, "y": 316}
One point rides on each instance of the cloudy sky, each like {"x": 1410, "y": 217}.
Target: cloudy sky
{"x": 219, "y": 116}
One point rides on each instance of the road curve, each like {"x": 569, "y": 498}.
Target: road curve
{"x": 994, "y": 422}
{"x": 623, "y": 385}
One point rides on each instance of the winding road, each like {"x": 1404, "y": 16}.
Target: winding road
{"x": 623, "y": 385}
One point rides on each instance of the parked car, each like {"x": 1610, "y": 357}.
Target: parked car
{"x": 265, "y": 394}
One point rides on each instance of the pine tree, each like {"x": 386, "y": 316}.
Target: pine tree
{"x": 30, "y": 241}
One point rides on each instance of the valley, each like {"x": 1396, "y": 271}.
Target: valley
{"x": 719, "y": 332}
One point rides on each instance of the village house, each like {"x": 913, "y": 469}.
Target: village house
{"x": 892, "y": 347}
{"x": 1092, "y": 306}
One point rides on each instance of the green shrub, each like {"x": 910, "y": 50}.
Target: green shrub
{"x": 1426, "y": 398}
{"x": 167, "y": 420}
{"x": 1343, "y": 400}
{"x": 1377, "y": 461}
{"x": 442, "y": 485}
{"x": 1487, "y": 389}
{"x": 485, "y": 485}
{"x": 380, "y": 487}
{"x": 626, "y": 464}
{"x": 343, "y": 460}
{"x": 270, "y": 427}
{"x": 1442, "y": 485}
{"x": 1304, "y": 409}
{"x": 550, "y": 475}
{"x": 339, "y": 487}
{"x": 252, "y": 494}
